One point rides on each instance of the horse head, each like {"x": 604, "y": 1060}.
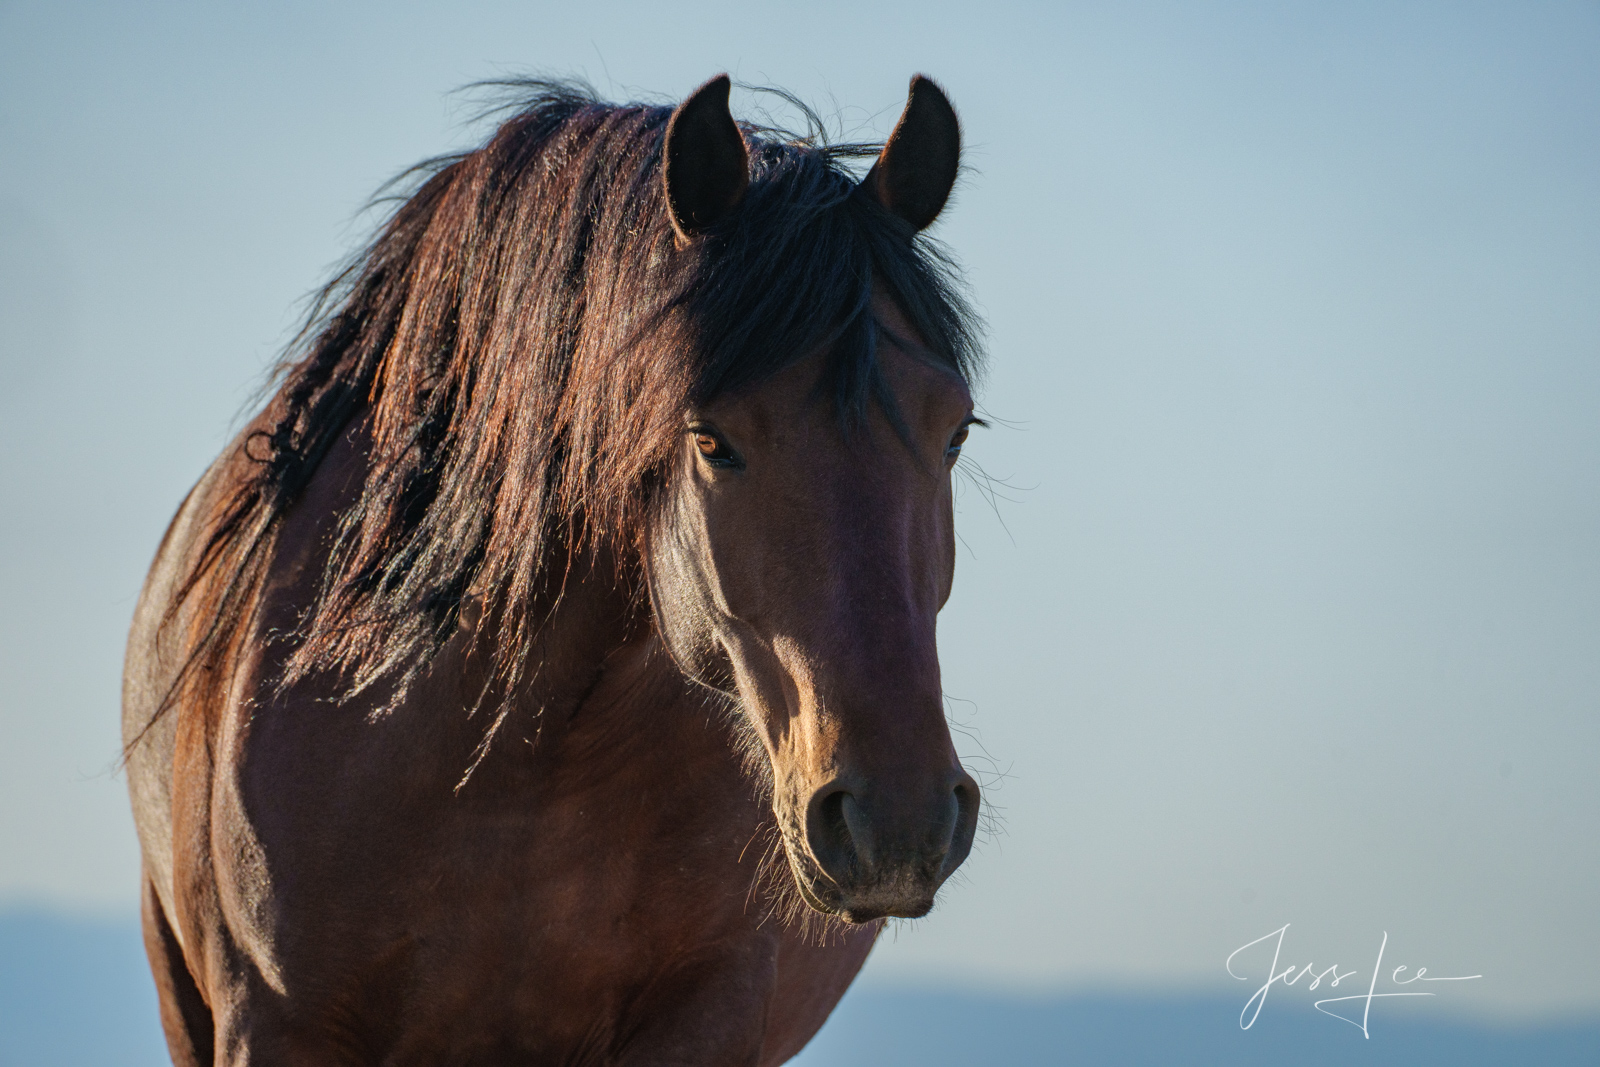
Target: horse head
{"x": 804, "y": 547}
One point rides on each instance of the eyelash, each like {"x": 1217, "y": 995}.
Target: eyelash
{"x": 953, "y": 450}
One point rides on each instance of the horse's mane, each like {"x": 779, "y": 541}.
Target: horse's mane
{"x": 521, "y": 342}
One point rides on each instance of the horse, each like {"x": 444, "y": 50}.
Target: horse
{"x": 546, "y": 673}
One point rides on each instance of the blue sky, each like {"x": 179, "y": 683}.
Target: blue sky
{"x": 1291, "y": 614}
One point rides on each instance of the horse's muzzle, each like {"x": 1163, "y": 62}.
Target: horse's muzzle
{"x": 876, "y": 853}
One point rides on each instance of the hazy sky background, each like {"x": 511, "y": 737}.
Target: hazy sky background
{"x": 1294, "y": 613}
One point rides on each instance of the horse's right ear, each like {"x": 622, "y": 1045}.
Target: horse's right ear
{"x": 705, "y": 166}
{"x": 918, "y": 165}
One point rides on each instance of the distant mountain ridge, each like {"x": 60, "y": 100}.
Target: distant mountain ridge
{"x": 75, "y": 992}
{"x": 893, "y": 1027}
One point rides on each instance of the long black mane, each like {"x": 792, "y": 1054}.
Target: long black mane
{"x": 521, "y": 342}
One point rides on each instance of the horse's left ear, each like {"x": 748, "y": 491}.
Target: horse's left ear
{"x": 917, "y": 167}
{"x": 705, "y": 165}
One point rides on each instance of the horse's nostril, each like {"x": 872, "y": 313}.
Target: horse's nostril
{"x": 832, "y": 838}
{"x": 966, "y": 800}
{"x": 858, "y": 829}
{"x": 965, "y": 827}
{"x": 831, "y": 813}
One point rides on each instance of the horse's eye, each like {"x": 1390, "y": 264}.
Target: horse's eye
{"x": 954, "y": 450}
{"x": 713, "y": 449}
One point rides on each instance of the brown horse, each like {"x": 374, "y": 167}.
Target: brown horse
{"x": 547, "y": 674}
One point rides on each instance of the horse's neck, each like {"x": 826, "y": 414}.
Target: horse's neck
{"x": 604, "y": 709}
{"x": 585, "y": 614}
{"x": 582, "y": 616}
